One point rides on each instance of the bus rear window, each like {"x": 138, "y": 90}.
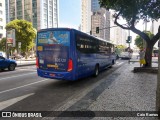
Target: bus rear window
{"x": 54, "y": 37}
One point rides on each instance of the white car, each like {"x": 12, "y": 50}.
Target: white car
{"x": 125, "y": 55}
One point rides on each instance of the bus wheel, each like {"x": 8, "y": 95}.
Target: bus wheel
{"x": 113, "y": 62}
{"x": 96, "y": 71}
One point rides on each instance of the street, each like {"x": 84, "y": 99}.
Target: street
{"x": 115, "y": 89}
{"x": 23, "y": 90}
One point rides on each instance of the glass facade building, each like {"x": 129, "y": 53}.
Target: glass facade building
{"x": 100, "y": 18}
{"x": 2, "y": 19}
{"x": 42, "y": 13}
{"x": 95, "y": 5}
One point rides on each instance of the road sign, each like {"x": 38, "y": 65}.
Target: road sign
{"x": 11, "y": 37}
{"x": 19, "y": 44}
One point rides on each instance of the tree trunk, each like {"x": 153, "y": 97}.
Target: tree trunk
{"x": 148, "y": 54}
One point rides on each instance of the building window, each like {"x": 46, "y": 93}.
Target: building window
{"x": 0, "y": 4}
{"x": 1, "y": 35}
{"x": 1, "y": 27}
{"x": 1, "y": 12}
{"x": 1, "y": 19}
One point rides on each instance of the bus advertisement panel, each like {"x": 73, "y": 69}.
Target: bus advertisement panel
{"x": 52, "y": 50}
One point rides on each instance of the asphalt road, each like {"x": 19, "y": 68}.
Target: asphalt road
{"x": 23, "y": 90}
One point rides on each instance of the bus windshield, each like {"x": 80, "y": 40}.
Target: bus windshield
{"x": 53, "y": 50}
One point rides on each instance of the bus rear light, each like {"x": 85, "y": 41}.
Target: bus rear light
{"x": 37, "y": 63}
{"x": 70, "y": 65}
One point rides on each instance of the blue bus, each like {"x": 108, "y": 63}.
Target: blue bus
{"x": 68, "y": 54}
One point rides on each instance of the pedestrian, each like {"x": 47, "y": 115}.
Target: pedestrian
{"x": 142, "y": 58}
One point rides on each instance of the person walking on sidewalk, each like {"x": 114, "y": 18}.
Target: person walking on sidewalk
{"x": 141, "y": 58}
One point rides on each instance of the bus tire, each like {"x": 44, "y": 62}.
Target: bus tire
{"x": 113, "y": 62}
{"x": 96, "y": 71}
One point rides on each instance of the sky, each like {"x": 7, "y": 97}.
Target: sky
{"x": 69, "y": 13}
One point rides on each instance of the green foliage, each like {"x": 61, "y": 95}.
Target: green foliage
{"x": 139, "y": 9}
{"x": 139, "y": 40}
{"x": 119, "y": 49}
{"x": 133, "y": 11}
{"x": 25, "y": 33}
{"x": 3, "y": 44}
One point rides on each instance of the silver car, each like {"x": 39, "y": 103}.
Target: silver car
{"x": 125, "y": 55}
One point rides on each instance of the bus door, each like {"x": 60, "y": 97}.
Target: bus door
{"x": 53, "y": 50}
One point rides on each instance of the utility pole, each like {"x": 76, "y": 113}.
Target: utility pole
{"x": 158, "y": 83}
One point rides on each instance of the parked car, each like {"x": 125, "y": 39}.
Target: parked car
{"x": 7, "y": 63}
{"x": 3, "y": 54}
{"x": 125, "y": 55}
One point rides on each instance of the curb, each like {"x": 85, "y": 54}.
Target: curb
{"x": 147, "y": 70}
{"x": 25, "y": 65}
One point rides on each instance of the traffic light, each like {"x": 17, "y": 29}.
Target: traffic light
{"x": 129, "y": 40}
{"x": 97, "y": 30}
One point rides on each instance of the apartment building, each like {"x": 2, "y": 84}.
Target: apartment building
{"x": 2, "y": 19}
{"x": 42, "y": 13}
{"x": 101, "y": 19}
{"x": 86, "y": 16}
{"x": 117, "y": 35}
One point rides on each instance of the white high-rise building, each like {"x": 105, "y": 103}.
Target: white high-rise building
{"x": 2, "y": 19}
{"x": 86, "y": 16}
{"x": 154, "y": 26}
{"x": 42, "y": 13}
{"x": 117, "y": 35}
{"x": 154, "y": 29}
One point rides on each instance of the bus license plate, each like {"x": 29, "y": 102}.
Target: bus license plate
{"x": 52, "y": 75}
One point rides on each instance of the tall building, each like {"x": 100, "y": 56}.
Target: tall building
{"x": 86, "y": 16}
{"x": 154, "y": 29}
{"x": 95, "y": 6}
{"x": 101, "y": 19}
{"x": 154, "y": 26}
{"x": 42, "y": 13}
{"x": 2, "y": 19}
{"x": 117, "y": 35}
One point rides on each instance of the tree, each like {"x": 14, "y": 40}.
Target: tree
{"x": 3, "y": 44}
{"x": 139, "y": 40}
{"x": 25, "y": 33}
{"x": 133, "y": 11}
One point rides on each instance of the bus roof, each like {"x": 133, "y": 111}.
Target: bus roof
{"x": 41, "y": 30}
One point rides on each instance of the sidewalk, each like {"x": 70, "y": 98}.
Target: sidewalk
{"x": 120, "y": 91}
{"x": 129, "y": 92}
{"x": 25, "y": 62}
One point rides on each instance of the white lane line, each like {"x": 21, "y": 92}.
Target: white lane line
{"x": 120, "y": 63}
{"x": 16, "y": 76}
{"x": 12, "y": 101}
{"x": 21, "y": 69}
{"x": 23, "y": 86}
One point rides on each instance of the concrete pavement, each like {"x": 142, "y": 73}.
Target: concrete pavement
{"x": 121, "y": 91}
{"x": 129, "y": 92}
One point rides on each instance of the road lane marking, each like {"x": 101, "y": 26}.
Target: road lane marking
{"x": 119, "y": 63}
{"x": 23, "y": 86}
{"x": 22, "y": 69}
{"x": 12, "y": 101}
{"x": 16, "y": 76}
